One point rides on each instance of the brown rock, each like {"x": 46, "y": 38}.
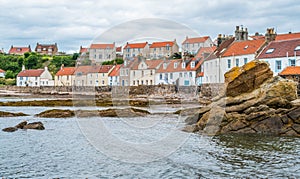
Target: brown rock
{"x": 270, "y": 125}
{"x": 9, "y": 114}
{"x": 21, "y": 125}
{"x": 56, "y": 113}
{"x": 35, "y": 125}
{"x": 247, "y": 78}
{"x": 215, "y": 118}
{"x": 295, "y": 115}
{"x": 190, "y": 128}
{"x": 10, "y": 129}
{"x": 296, "y": 127}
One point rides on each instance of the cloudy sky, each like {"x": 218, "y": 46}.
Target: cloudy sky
{"x": 72, "y": 23}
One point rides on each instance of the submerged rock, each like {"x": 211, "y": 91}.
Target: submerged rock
{"x": 56, "y": 113}
{"x": 9, "y": 114}
{"x": 10, "y": 129}
{"x": 255, "y": 102}
{"x": 21, "y": 125}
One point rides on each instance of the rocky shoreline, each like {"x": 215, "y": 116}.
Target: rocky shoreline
{"x": 254, "y": 102}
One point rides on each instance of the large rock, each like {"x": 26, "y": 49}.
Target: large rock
{"x": 255, "y": 102}
{"x": 10, "y": 114}
{"x": 35, "y": 125}
{"x": 56, "y": 113}
{"x": 247, "y": 78}
{"x": 10, "y": 129}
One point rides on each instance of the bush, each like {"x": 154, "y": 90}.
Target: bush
{"x": 10, "y": 82}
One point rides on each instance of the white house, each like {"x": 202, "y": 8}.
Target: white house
{"x": 281, "y": 54}
{"x": 179, "y": 72}
{"x": 113, "y": 76}
{"x": 166, "y": 49}
{"x": 229, "y": 55}
{"x": 192, "y": 45}
{"x": 2, "y": 73}
{"x": 39, "y": 77}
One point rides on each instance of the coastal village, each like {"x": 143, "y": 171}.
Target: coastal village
{"x": 197, "y": 61}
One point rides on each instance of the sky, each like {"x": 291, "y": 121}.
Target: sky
{"x": 72, "y": 23}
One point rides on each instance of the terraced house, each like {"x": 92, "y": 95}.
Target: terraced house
{"x": 99, "y": 53}
{"x": 160, "y": 50}
{"x": 192, "y": 45}
{"x": 35, "y": 77}
{"x": 132, "y": 50}
{"x": 65, "y": 76}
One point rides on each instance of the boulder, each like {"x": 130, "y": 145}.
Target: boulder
{"x": 35, "y": 125}
{"x": 21, "y": 125}
{"x": 10, "y": 129}
{"x": 255, "y": 102}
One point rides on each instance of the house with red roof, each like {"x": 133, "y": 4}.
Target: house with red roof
{"x": 281, "y": 54}
{"x": 65, "y": 76}
{"x": 2, "y": 73}
{"x": 83, "y": 50}
{"x": 46, "y": 49}
{"x": 35, "y": 77}
{"x": 113, "y": 76}
{"x": 292, "y": 73}
{"x": 132, "y": 50}
{"x": 19, "y": 50}
{"x": 178, "y": 72}
{"x": 99, "y": 53}
{"x": 95, "y": 75}
{"x": 166, "y": 49}
{"x": 143, "y": 71}
{"x": 192, "y": 45}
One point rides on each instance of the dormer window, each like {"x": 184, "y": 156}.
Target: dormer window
{"x": 165, "y": 66}
{"x": 246, "y": 47}
{"x": 192, "y": 64}
{"x": 183, "y": 65}
{"x": 271, "y": 50}
{"x": 19, "y": 49}
{"x": 297, "y": 48}
{"x": 44, "y": 49}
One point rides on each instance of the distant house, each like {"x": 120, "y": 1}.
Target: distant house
{"x": 46, "y": 49}
{"x": 2, "y": 73}
{"x": 96, "y": 75}
{"x": 132, "y": 50}
{"x": 281, "y": 54}
{"x": 143, "y": 72}
{"x": 99, "y": 53}
{"x": 113, "y": 76}
{"x": 19, "y": 50}
{"x": 179, "y": 72}
{"x": 192, "y": 45}
{"x": 292, "y": 73}
{"x": 159, "y": 50}
{"x": 119, "y": 53}
{"x": 39, "y": 77}
{"x": 65, "y": 76}
{"x": 83, "y": 50}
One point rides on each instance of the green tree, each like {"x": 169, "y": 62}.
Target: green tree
{"x": 31, "y": 62}
{"x": 9, "y": 74}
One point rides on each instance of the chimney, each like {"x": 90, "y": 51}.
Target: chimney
{"x": 46, "y": 68}
{"x": 241, "y": 34}
{"x": 23, "y": 67}
{"x": 270, "y": 35}
{"x": 62, "y": 66}
{"x": 219, "y": 40}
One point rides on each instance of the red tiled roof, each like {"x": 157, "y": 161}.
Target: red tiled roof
{"x": 119, "y": 49}
{"x": 135, "y": 45}
{"x": 221, "y": 49}
{"x": 243, "y": 47}
{"x": 151, "y": 64}
{"x": 93, "y": 69}
{"x": 83, "y": 50}
{"x": 115, "y": 71}
{"x": 105, "y": 68}
{"x": 281, "y": 49}
{"x": 102, "y": 46}
{"x": 195, "y": 40}
{"x": 31, "y": 73}
{"x": 288, "y": 36}
{"x": 47, "y": 46}
{"x": 2, "y": 71}
{"x": 19, "y": 50}
{"x": 291, "y": 70}
{"x": 203, "y": 50}
{"x": 161, "y": 44}
{"x": 66, "y": 71}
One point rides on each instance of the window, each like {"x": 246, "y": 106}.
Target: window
{"x": 100, "y": 56}
{"x": 271, "y": 50}
{"x": 154, "y": 49}
{"x": 245, "y": 60}
{"x": 228, "y": 63}
{"x": 183, "y": 65}
{"x": 292, "y": 62}
{"x": 128, "y": 49}
{"x": 142, "y": 82}
{"x": 168, "y": 47}
{"x": 142, "y": 73}
{"x": 134, "y": 73}
{"x": 103, "y": 74}
{"x": 237, "y": 62}
{"x": 103, "y": 82}
{"x": 277, "y": 66}
{"x": 192, "y": 64}
{"x": 68, "y": 76}
{"x": 91, "y": 82}
{"x": 186, "y": 83}
{"x": 160, "y": 76}
{"x": 146, "y": 82}
{"x": 180, "y": 75}
{"x": 166, "y": 76}
{"x": 95, "y": 56}
{"x": 175, "y": 65}
{"x": 50, "y": 50}
{"x": 151, "y": 73}
{"x": 191, "y": 74}
{"x": 171, "y": 75}
{"x": 185, "y": 74}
